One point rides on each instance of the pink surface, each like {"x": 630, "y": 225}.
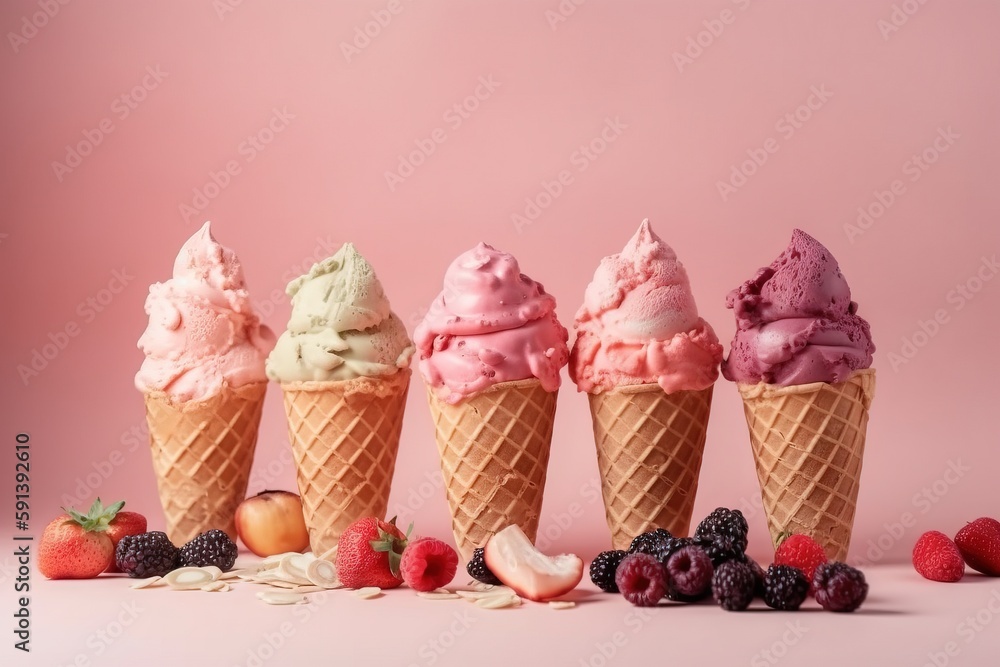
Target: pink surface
{"x": 904, "y": 622}
{"x": 547, "y": 129}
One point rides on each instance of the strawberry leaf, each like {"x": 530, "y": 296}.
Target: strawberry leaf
{"x": 98, "y": 517}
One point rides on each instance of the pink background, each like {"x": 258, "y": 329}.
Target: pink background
{"x": 321, "y": 181}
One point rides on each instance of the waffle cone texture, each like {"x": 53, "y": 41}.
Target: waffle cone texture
{"x": 494, "y": 449}
{"x": 345, "y": 437}
{"x": 649, "y": 451}
{"x": 202, "y": 452}
{"x": 808, "y": 443}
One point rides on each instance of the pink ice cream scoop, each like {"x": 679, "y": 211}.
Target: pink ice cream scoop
{"x": 795, "y": 321}
{"x": 639, "y": 324}
{"x": 202, "y": 330}
{"x": 490, "y": 324}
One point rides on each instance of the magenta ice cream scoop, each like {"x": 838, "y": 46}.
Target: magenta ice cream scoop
{"x": 795, "y": 321}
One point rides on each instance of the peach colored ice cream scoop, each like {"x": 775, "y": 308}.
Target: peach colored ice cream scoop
{"x": 639, "y": 324}
{"x": 490, "y": 324}
{"x": 202, "y": 330}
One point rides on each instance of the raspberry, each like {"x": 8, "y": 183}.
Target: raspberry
{"x": 602, "y": 570}
{"x": 800, "y": 551}
{"x": 937, "y": 558}
{"x": 839, "y": 587}
{"x": 428, "y": 563}
{"x": 785, "y": 587}
{"x": 213, "y": 547}
{"x": 690, "y": 574}
{"x": 733, "y": 585}
{"x": 479, "y": 571}
{"x": 641, "y": 580}
{"x": 649, "y": 542}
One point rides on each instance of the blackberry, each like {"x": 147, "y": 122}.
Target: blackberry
{"x": 690, "y": 574}
{"x": 669, "y": 547}
{"x": 479, "y": 571}
{"x": 733, "y": 585}
{"x": 649, "y": 542}
{"x": 641, "y": 580}
{"x": 785, "y": 587}
{"x": 839, "y": 587}
{"x": 603, "y": 569}
{"x": 758, "y": 575}
{"x": 146, "y": 555}
{"x": 212, "y": 547}
{"x": 723, "y": 535}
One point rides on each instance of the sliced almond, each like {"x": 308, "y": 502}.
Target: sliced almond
{"x": 438, "y": 596}
{"x": 307, "y": 589}
{"x": 293, "y": 569}
{"x": 323, "y": 573}
{"x": 480, "y": 586}
{"x": 479, "y": 595}
{"x": 275, "y": 597}
{"x": 232, "y": 574}
{"x": 214, "y": 586}
{"x": 188, "y": 578}
{"x": 214, "y": 571}
{"x": 146, "y": 583}
{"x": 330, "y": 554}
{"x": 498, "y": 602}
{"x": 562, "y": 604}
{"x": 368, "y": 592}
{"x": 277, "y": 583}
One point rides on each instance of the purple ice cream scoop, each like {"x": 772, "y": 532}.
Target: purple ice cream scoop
{"x": 795, "y": 321}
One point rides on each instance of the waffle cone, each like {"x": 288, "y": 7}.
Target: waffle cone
{"x": 202, "y": 453}
{"x": 494, "y": 450}
{"x": 808, "y": 443}
{"x": 649, "y": 450}
{"x": 345, "y": 436}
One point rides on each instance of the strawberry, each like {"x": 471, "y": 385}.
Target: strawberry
{"x": 937, "y": 558}
{"x": 369, "y": 553}
{"x": 802, "y": 552}
{"x": 428, "y": 563}
{"x": 979, "y": 543}
{"x": 124, "y": 523}
{"x": 77, "y": 546}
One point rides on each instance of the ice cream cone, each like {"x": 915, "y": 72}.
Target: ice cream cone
{"x": 808, "y": 443}
{"x": 649, "y": 450}
{"x": 494, "y": 449}
{"x": 202, "y": 453}
{"x": 345, "y": 436}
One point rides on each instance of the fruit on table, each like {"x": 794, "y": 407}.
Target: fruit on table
{"x": 77, "y": 546}
{"x": 272, "y": 523}
{"x": 147, "y": 555}
{"x": 369, "y": 553}
{"x": 979, "y": 544}
{"x": 213, "y": 547}
{"x": 512, "y": 557}
{"x": 122, "y": 525}
{"x": 937, "y": 558}
{"x": 428, "y": 563}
